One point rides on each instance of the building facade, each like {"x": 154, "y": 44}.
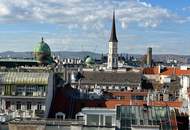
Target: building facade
{"x": 23, "y": 94}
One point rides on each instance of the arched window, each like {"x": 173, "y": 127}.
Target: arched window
{"x": 60, "y": 116}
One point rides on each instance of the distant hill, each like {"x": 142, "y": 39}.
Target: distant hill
{"x": 81, "y": 54}
{"x": 13, "y": 54}
{"x": 65, "y": 54}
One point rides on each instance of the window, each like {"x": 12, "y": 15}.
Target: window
{"x": 28, "y": 105}
{"x": 60, "y": 117}
{"x": 154, "y": 122}
{"x": 161, "y": 97}
{"x": 158, "y": 122}
{"x": 149, "y": 122}
{"x": 29, "y": 90}
{"x": 134, "y": 121}
{"x": 141, "y": 122}
{"x": 108, "y": 120}
{"x": 8, "y": 89}
{"x": 101, "y": 122}
{"x": 20, "y": 90}
{"x": 40, "y": 90}
{"x": 7, "y": 104}
{"x": 1, "y": 89}
{"x": 80, "y": 117}
{"x": 93, "y": 120}
{"x": 18, "y": 105}
{"x": 114, "y": 61}
{"x": 39, "y": 106}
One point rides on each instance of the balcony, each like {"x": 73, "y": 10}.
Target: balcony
{"x": 39, "y": 113}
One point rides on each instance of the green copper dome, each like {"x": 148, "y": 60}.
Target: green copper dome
{"x": 89, "y": 61}
{"x": 42, "y": 53}
{"x": 42, "y": 47}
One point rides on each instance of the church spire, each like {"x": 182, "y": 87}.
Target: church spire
{"x": 113, "y": 37}
{"x": 42, "y": 40}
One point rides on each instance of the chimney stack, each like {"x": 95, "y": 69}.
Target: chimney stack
{"x": 149, "y": 57}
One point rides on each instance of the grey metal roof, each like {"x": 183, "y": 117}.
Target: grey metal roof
{"x": 111, "y": 77}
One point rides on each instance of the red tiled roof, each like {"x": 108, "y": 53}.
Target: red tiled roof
{"x": 182, "y": 72}
{"x": 111, "y": 103}
{"x": 169, "y": 71}
{"x": 153, "y": 70}
{"x": 166, "y": 71}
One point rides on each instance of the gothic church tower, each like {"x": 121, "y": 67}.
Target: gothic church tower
{"x": 113, "y": 43}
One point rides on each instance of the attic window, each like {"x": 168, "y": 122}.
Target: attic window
{"x": 145, "y": 108}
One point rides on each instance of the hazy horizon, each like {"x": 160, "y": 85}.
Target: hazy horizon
{"x": 96, "y": 52}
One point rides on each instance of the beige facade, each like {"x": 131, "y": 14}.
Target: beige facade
{"x": 23, "y": 94}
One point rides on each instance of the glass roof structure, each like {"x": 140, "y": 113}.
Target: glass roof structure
{"x": 24, "y": 78}
{"x": 153, "y": 116}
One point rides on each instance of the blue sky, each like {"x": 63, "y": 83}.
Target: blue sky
{"x": 84, "y": 25}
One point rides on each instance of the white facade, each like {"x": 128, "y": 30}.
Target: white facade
{"x": 99, "y": 116}
{"x": 112, "y": 56}
{"x": 185, "y": 83}
{"x": 185, "y": 67}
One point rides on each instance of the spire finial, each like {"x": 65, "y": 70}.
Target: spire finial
{"x": 42, "y": 39}
{"x": 114, "y": 13}
{"x": 113, "y": 37}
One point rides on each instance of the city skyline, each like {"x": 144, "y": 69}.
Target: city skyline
{"x": 85, "y": 25}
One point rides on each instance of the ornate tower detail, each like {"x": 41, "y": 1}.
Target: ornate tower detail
{"x": 113, "y": 43}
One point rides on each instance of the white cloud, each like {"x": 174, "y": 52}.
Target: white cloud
{"x": 186, "y": 8}
{"x": 84, "y": 13}
{"x": 123, "y": 24}
{"x": 4, "y": 10}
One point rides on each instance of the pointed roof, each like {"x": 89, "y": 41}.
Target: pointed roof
{"x": 113, "y": 37}
{"x": 42, "y": 40}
